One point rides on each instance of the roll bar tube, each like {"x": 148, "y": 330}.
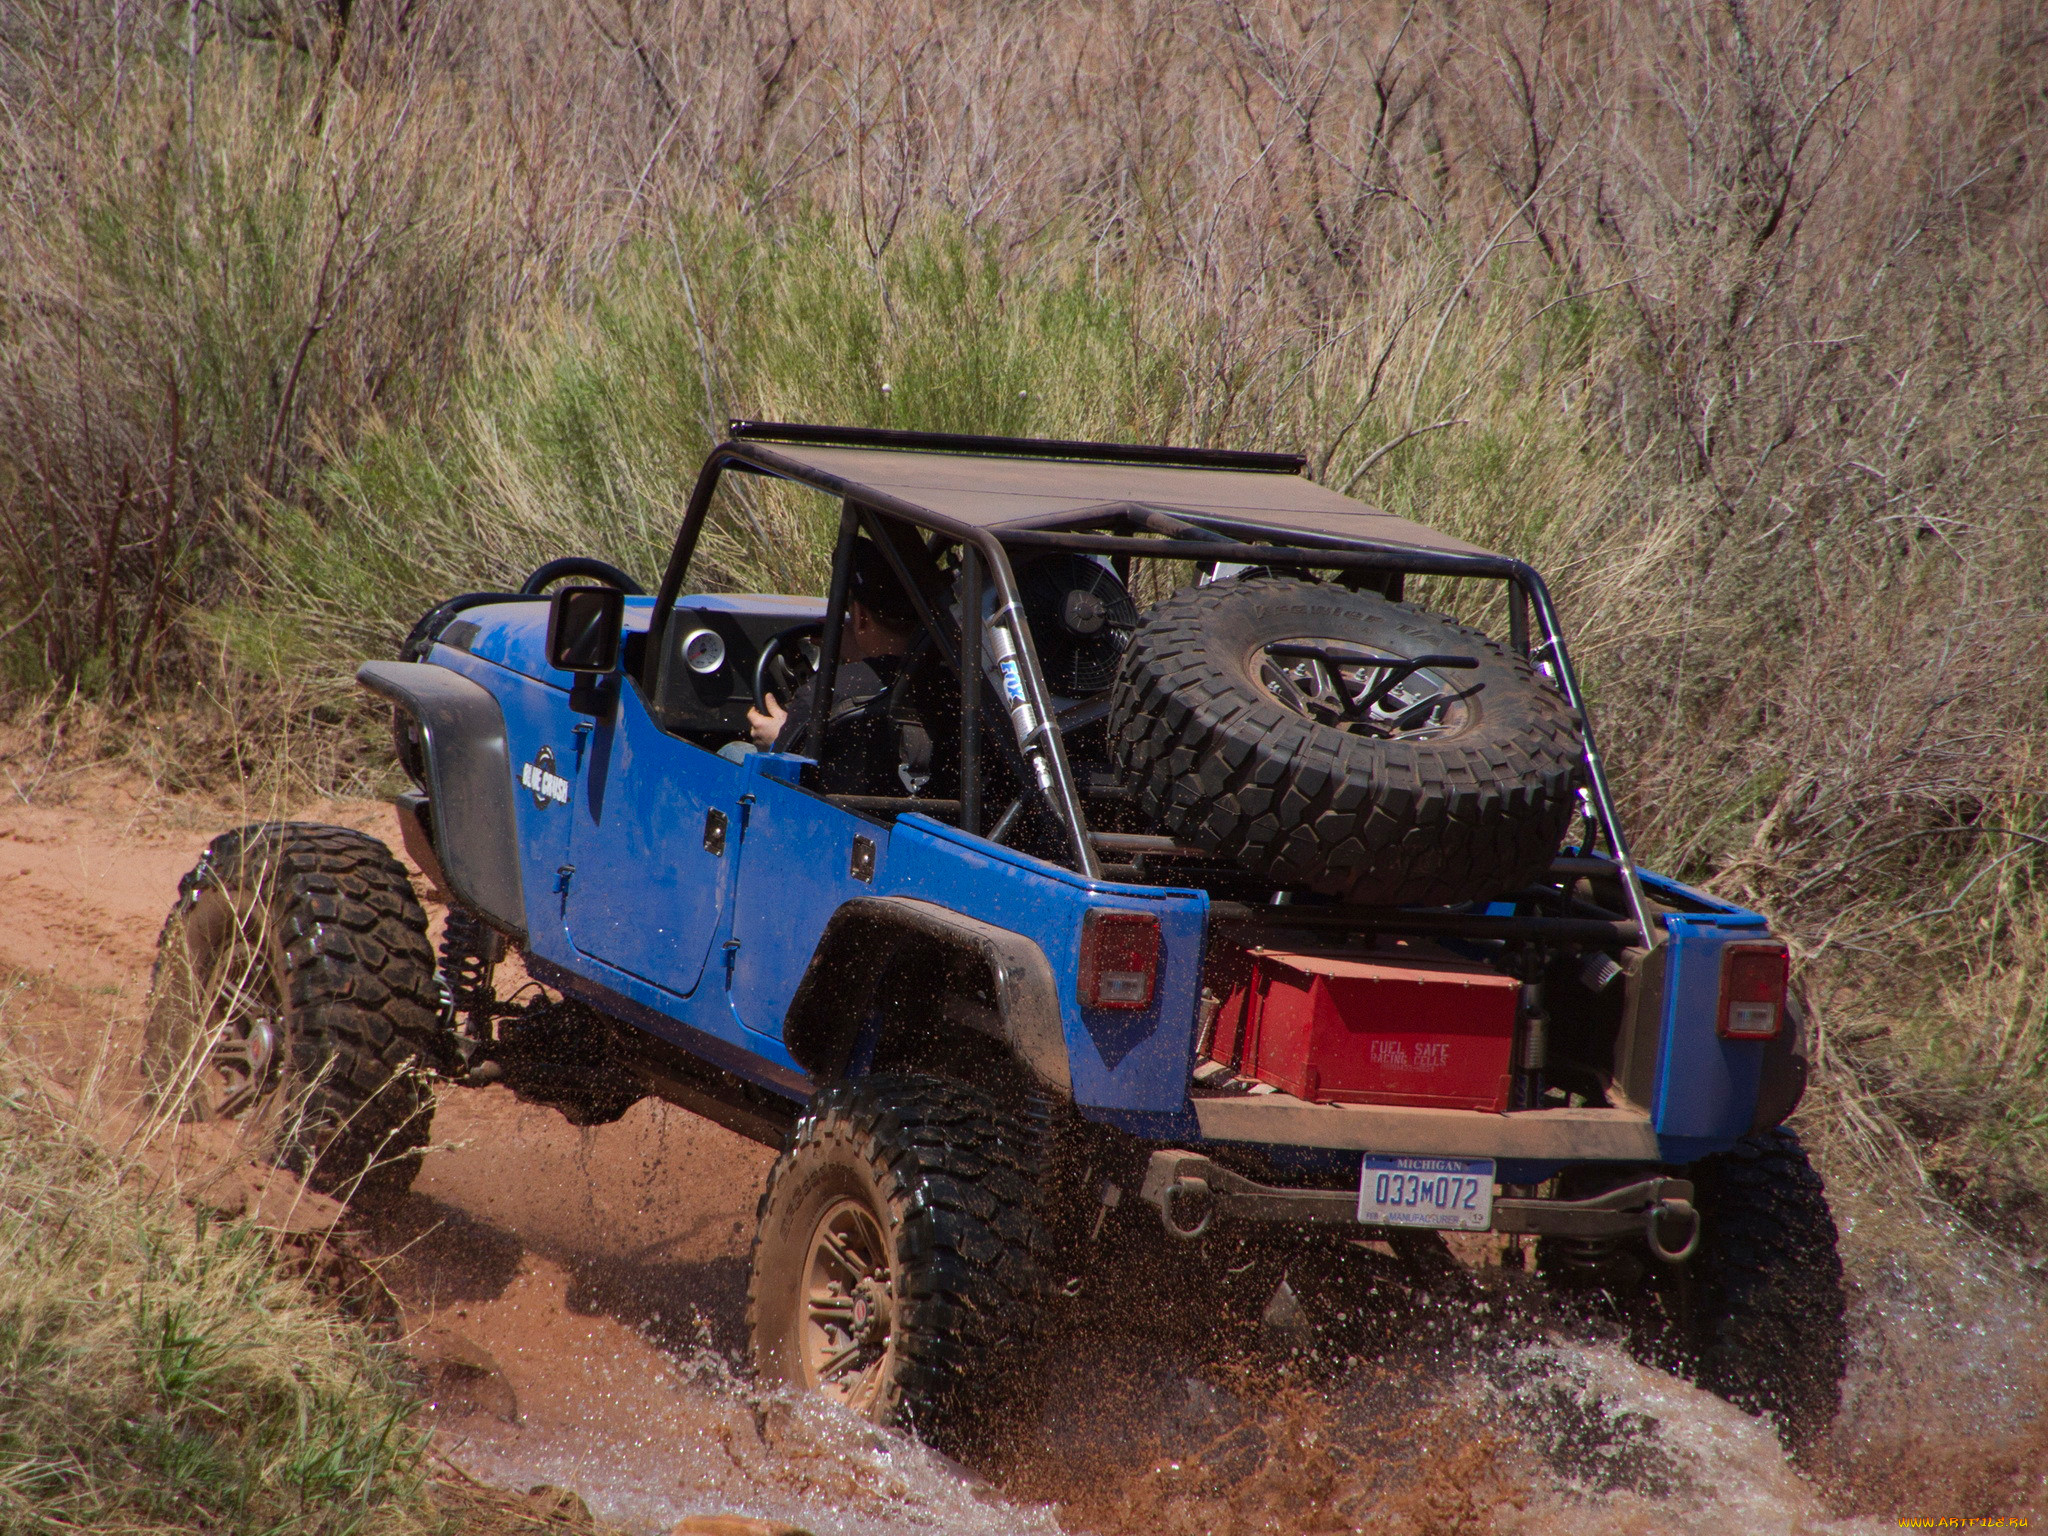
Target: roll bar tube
{"x": 1526, "y": 591}
{"x": 1066, "y": 801}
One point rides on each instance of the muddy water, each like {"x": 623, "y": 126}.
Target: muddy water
{"x": 604, "y": 1272}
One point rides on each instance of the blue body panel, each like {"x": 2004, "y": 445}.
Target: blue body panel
{"x": 1706, "y": 1086}
{"x": 628, "y": 908}
{"x": 515, "y": 636}
{"x": 795, "y": 870}
{"x": 651, "y": 895}
{"x": 1131, "y": 1060}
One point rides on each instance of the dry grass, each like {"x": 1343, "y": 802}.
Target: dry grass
{"x": 187, "y": 1341}
{"x": 1729, "y": 315}
{"x": 163, "y": 1373}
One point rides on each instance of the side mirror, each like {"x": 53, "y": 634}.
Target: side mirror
{"x": 584, "y": 629}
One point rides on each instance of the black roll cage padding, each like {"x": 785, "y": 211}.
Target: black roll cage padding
{"x": 936, "y": 624}
{"x": 932, "y": 622}
{"x": 826, "y": 678}
{"x": 970, "y": 710}
{"x": 1526, "y": 590}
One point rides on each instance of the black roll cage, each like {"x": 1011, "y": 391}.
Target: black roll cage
{"x": 1173, "y": 535}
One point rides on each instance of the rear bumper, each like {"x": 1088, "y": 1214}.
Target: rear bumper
{"x": 1190, "y": 1192}
{"x": 1534, "y": 1135}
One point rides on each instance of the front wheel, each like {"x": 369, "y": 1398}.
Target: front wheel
{"x": 900, "y": 1260}
{"x": 293, "y": 986}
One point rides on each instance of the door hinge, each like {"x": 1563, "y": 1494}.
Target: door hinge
{"x": 563, "y": 876}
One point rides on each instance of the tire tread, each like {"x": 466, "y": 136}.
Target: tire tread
{"x": 962, "y": 1171}
{"x": 360, "y": 987}
{"x": 1309, "y": 806}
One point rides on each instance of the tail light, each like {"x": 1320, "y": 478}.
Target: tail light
{"x": 1753, "y": 978}
{"x": 1119, "y": 958}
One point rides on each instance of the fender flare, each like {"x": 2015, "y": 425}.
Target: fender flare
{"x": 1781, "y": 1081}
{"x": 469, "y": 784}
{"x": 837, "y": 993}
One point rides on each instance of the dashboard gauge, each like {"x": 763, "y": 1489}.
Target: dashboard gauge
{"x": 703, "y": 651}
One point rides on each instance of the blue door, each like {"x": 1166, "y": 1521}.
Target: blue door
{"x": 803, "y": 856}
{"x": 650, "y": 849}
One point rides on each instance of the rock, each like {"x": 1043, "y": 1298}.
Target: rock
{"x": 561, "y": 1508}
{"x": 209, "y": 1165}
{"x": 462, "y": 1378}
{"x": 734, "y": 1525}
{"x": 278, "y": 1202}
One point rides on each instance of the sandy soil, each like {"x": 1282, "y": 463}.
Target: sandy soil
{"x": 592, "y": 1284}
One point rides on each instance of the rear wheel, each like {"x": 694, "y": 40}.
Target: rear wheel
{"x": 899, "y": 1262}
{"x": 1756, "y": 1316}
{"x": 293, "y": 987}
{"x": 1760, "y": 1318}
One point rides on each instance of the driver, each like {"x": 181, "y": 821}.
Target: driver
{"x": 868, "y": 750}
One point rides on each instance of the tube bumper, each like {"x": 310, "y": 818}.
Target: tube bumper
{"x": 1190, "y": 1192}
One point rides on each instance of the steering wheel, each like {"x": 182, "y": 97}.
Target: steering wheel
{"x": 787, "y": 661}
{"x": 580, "y": 565}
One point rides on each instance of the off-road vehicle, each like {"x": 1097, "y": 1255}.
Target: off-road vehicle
{"x": 1181, "y": 888}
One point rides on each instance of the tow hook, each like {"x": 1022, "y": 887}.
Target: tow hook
{"x": 1184, "y": 1192}
{"x": 1660, "y": 1217}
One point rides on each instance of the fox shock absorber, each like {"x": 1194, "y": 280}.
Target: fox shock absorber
{"x": 1024, "y": 716}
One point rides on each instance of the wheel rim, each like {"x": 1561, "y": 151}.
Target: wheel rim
{"x": 1333, "y": 683}
{"x": 848, "y": 1325}
{"x": 241, "y": 1023}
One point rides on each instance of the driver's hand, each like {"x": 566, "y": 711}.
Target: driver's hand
{"x": 766, "y": 725}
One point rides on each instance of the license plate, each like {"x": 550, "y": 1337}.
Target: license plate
{"x": 1455, "y": 1193}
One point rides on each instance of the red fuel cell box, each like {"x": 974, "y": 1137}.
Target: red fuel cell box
{"x": 1338, "y": 1030}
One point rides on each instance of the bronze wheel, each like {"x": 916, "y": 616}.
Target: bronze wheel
{"x": 849, "y": 1307}
{"x": 899, "y": 1261}
{"x": 217, "y": 1017}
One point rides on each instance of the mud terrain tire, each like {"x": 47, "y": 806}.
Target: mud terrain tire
{"x": 293, "y": 987}
{"x": 1467, "y": 807}
{"x": 930, "y": 1189}
{"x": 1762, "y": 1321}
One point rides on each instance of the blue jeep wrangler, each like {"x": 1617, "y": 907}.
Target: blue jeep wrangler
{"x": 1157, "y": 909}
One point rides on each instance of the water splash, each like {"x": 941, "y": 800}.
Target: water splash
{"x": 616, "y": 1312}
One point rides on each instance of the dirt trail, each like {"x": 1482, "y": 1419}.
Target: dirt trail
{"x": 603, "y": 1273}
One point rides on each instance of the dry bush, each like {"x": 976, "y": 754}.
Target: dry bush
{"x": 199, "y": 270}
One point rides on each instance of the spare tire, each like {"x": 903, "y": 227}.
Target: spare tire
{"x": 1242, "y": 729}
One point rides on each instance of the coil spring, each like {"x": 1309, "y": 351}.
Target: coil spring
{"x": 469, "y": 951}
{"x": 1578, "y": 1260}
